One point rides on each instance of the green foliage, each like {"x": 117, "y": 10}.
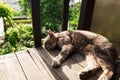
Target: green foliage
{"x": 18, "y": 37}
{"x": 13, "y": 37}
{"x": 17, "y": 13}
{"x": 23, "y": 21}
{"x": 74, "y": 12}
{"x": 6, "y": 49}
{"x": 25, "y": 6}
{"x": 51, "y": 14}
{"x": 5, "y": 11}
{"x": 26, "y": 35}
{"x": 44, "y": 34}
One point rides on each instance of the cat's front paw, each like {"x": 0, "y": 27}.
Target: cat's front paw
{"x": 56, "y": 63}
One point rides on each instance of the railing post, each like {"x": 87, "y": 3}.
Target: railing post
{"x": 65, "y": 14}
{"x": 35, "y": 4}
{"x": 85, "y": 17}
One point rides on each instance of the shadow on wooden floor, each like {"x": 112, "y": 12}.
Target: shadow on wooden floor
{"x": 70, "y": 67}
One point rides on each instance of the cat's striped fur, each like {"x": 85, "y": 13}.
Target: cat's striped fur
{"x": 98, "y": 50}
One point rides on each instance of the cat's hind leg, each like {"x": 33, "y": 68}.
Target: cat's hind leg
{"x": 91, "y": 68}
{"x": 108, "y": 70}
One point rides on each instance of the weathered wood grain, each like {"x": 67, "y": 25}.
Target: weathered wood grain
{"x": 10, "y": 68}
{"x": 35, "y": 64}
{"x": 31, "y": 70}
{"x": 69, "y": 69}
{"x": 47, "y": 73}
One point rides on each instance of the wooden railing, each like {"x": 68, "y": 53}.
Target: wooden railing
{"x": 84, "y": 18}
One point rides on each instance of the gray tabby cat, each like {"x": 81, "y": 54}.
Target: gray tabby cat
{"x": 98, "y": 50}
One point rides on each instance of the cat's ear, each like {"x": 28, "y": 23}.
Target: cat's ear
{"x": 50, "y": 32}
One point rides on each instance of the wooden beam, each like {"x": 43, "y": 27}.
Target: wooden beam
{"x": 65, "y": 14}
{"x": 85, "y": 17}
{"x": 36, "y": 22}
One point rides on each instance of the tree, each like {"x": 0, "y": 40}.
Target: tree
{"x": 74, "y": 12}
{"x": 6, "y": 14}
{"x": 5, "y": 11}
{"x": 51, "y": 14}
{"x": 25, "y": 6}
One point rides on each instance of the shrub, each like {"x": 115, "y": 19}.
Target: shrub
{"x": 26, "y": 35}
{"x": 18, "y": 38}
{"x": 13, "y": 38}
{"x": 6, "y": 11}
{"x": 23, "y": 21}
{"x": 16, "y": 13}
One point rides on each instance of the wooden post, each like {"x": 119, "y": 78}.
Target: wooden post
{"x": 65, "y": 14}
{"x": 36, "y": 22}
{"x": 85, "y": 17}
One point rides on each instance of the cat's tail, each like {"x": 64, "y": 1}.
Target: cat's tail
{"x": 116, "y": 75}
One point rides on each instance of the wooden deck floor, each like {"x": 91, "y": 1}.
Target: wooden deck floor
{"x": 35, "y": 64}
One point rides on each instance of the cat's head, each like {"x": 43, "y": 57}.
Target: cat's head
{"x": 50, "y": 41}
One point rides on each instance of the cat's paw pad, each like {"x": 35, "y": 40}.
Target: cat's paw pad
{"x": 56, "y": 63}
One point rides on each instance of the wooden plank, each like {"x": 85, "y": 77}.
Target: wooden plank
{"x": 35, "y": 4}
{"x": 64, "y": 71}
{"x": 3, "y": 74}
{"x": 46, "y": 71}
{"x": 10, "y": 68}
{"x": 85, "y": 17}
{"x": 47, "y": 58}
{"x": 69, "y": 69}
{"x": 65, "y": 14}
{"x": 80, "y": 59}
{"x": 30, "y": 68}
